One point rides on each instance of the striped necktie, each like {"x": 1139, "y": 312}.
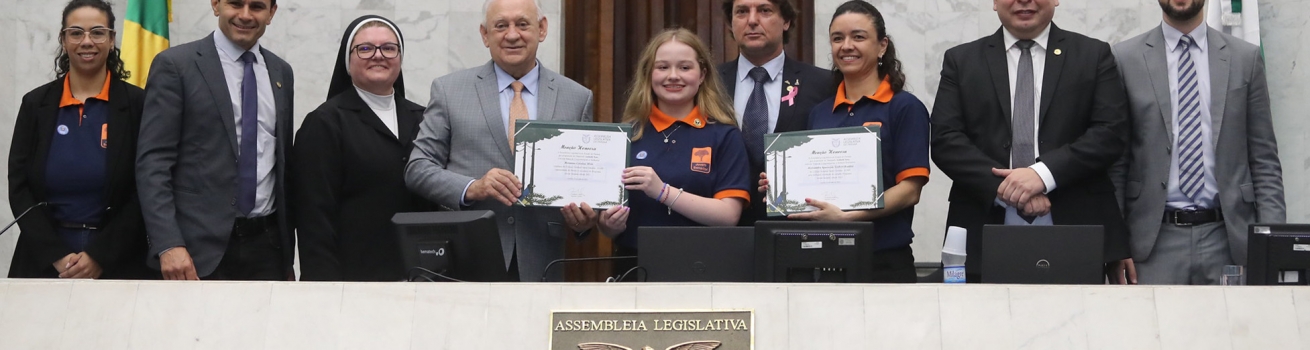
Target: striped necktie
{"x": 1190, "y": 166}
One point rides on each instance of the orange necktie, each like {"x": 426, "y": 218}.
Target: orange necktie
{"x": 518, "y": 110}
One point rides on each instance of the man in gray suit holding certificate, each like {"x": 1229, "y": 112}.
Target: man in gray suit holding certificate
{"x": 1202, "y": 163}
{"x": 462, "y": 159}
{"x": 211, "y": 155}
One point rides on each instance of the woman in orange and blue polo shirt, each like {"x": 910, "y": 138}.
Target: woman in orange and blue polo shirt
{"x": 689, "y": 164}
{"x": 871, "y": 92}
{"x": 72, "y": 159}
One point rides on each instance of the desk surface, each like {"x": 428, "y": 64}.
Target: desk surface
{"x": 50, "y": 314}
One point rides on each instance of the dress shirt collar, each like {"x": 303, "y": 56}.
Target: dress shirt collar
{"x": 1173, "y": 35}
{"x": 530, "y": 80}
{"x": 233, "y": 52}
{"x": 1041, "y": 39}
{"x": 773, "y": 66}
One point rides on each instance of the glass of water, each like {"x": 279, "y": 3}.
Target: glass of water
{"x": 1234, "y": 275}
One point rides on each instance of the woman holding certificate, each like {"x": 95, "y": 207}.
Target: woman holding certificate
{"x": 688, "y": 159}
{"x": 349, "y": 161}
{"x": 871, "y": 92}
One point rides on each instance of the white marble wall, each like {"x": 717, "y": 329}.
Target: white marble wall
{"x": 45, "y": 314}
{"x": 924, "y": 29}
{"x": 441, "y": 37}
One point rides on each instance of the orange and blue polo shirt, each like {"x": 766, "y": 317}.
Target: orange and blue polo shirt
{"x": 906, "y": 134}
{"x": 75, "y": 167}
{"x": 708, "y": 160}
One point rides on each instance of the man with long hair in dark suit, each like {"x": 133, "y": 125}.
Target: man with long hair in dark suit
{"x": 771, "y": 92}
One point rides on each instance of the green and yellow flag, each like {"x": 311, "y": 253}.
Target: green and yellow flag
{"x": 145, "y": 34}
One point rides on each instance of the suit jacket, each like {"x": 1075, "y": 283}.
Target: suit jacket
{"x": 816, "y": 85}
{"x": 1246, "y": 167}
{"x": 349, "y": 179}
{"x": 1081, "y": 133}
{"x": 187, "y": 154}
{"x": 463, "y": 136}
{"x": 119, "y": 247}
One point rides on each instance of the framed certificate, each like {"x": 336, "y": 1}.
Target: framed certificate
{"x": 571, "y": 162}
{"x": 842, "y": 166}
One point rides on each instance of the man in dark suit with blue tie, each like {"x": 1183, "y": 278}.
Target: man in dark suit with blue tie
{"x": 212, "y": 152}
{"x": 1027, "y": 123}
{"x": 771, "y": 92}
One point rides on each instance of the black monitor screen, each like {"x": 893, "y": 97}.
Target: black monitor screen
{"x": 460, "y": 245}
{"x": 809, "y": 251}
{"x": 1278, "y": 254}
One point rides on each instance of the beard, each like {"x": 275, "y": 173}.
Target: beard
{"x": 1182, "y": 15}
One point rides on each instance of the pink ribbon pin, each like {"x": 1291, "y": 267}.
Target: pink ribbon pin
{"x": 791, "y": 95}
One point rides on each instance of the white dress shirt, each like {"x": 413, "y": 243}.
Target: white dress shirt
{"x": 1012, "y": 56}
{"x": 746, "y": 85}
{"x": 234, "y": 72}
{"x": 1176, "y": 198}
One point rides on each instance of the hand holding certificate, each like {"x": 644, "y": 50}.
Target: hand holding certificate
{"x": 570, "y": 162}
{"x": 842, "y": 166}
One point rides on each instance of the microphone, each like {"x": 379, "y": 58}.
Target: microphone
{"x": 20, "y": 216}
{"x": 546, "y": 271}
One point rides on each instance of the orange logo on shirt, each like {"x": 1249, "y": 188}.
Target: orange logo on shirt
{"x": 700, "y": 160}
{"x": 104, "y": 135}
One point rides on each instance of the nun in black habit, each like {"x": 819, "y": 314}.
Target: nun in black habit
{"x": 348, "y": 165}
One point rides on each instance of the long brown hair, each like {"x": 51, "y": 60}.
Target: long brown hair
{"x": 710, "y": 97}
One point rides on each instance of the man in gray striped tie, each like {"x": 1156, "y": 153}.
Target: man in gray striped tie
{"x": 1203, "y": 162}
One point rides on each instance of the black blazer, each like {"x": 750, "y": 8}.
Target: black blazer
{"x": 120, "y": 247}
{"x": 816, "y": 85}
{"x": 348, "y": 179}
{"x": 1082, "y": 132}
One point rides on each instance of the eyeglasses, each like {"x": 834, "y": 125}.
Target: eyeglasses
{"x": 99, "y": 35}
{"x": 367, "y": 51}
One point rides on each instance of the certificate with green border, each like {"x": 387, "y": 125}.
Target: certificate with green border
{"x": 842, "y": 166}
{"x": 571, "y": 162}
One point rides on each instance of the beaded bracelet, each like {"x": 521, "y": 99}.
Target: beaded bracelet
{"x": 675, "y": 200}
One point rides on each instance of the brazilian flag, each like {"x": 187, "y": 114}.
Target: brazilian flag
{"x": 145, "y": 34}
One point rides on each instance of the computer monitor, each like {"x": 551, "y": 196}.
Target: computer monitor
{"x": 459, "y": 245}
{"x": 1278, "y": 254}
{"x": 813, "y": 251}
{"x": 697, "y": 254}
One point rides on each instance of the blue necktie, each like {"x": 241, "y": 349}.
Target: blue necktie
{"x": 756, "y": 117}
{"x": 1190, "y": 172}
{"x": 248, "y": 160}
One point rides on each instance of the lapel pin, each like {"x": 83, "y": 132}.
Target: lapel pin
{"x": 279, "y": 84}
{"x": 1058, "y": 52}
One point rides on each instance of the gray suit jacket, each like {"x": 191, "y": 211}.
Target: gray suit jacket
{"x": 187, "y": 153}
{"x": 462, "y": 137}
{"x": 1246, "y": 167}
